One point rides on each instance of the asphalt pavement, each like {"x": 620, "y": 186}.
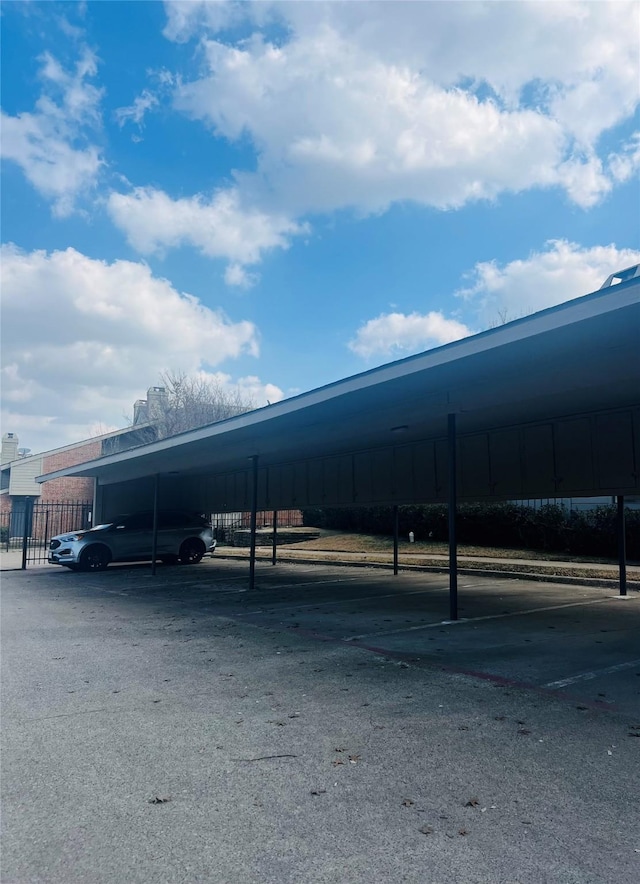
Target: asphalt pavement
{"x": 330, "y": 726}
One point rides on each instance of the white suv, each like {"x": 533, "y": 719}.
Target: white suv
{"x": 181, "y": 537}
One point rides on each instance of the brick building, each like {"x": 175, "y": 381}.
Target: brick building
{"x": 18, "y": 471}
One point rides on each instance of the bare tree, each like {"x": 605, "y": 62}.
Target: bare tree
{"x": 193, "y": 401}
{"x": 504, "y": 316}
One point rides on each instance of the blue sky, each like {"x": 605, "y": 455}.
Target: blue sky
{"x": 279, "y": 195}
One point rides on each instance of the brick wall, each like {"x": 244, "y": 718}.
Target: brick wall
{"x": 69, "y": 487}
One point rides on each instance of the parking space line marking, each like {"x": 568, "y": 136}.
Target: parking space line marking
{"x": 177, "y": 587}
{"x": 365, "y": 598}
{"x": 588, "y": 676}
{"x": 467, "y": 620}
{"x": 73, "y": 714}
{"x": 239, "y": 577}
{"x": 308, "y": 583}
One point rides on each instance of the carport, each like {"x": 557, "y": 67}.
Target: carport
{"x": 546, "y": 406}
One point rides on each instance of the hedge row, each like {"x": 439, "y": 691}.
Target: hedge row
{"x": 552, "y": 528}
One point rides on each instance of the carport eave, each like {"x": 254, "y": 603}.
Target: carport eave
{"x": 364, "y": 406}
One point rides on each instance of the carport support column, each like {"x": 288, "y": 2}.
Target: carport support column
{"x": 453, "y": 500}
{"x": 395, "y": 540}
{"x": 154, "y": 536}
{"x": 254, "y": 520}
{"x": 622, "y": 546}
{"x": 275, "y": 537}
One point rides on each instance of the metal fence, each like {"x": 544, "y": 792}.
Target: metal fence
{"x": 32, "y": 523}
{"x": 224, "y": 524}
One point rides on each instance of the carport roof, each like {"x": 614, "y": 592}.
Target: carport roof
{"x": 581, "y": 356}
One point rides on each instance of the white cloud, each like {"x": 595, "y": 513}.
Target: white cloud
{"x": 84, "y": 338}
{"x": 183, "y": 19}
{"x": 585, "y": 180}
{"x": 221, "y": 227}
{"x": 626, "y": 162}
{"x": 562, "y": 271}
{"x": 237, "y": 275}
{"x": 400, "y": 334}
{"x": 52, "y": 145}
{"x": 361, "y": 105}
{"x": 135, "y": 113}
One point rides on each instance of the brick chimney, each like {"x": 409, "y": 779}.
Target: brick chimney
{"x": 140, "y": 411}
{"x": 145, "y": 410}
{"x": 156, "y": 399}
{"x": 9, "y": 447}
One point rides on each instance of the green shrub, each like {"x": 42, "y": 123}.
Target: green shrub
{"x": 551, "y": 528}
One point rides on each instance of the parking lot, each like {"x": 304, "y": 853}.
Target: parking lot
{"x": 329, "y": 726}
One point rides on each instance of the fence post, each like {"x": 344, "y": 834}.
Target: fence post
{"x": 28, "y": 518}
{"x": 45, "y": 542}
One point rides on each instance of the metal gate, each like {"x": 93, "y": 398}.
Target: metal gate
{"x": 39, "y": 521}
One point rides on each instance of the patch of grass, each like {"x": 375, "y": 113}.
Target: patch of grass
{"x": 342, "y": 541}
{"x": 337, "y": 546}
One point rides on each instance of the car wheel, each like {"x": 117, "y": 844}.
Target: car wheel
{"x": 191, "y": 551}
{"x": 169, "y": 560}
{"x": 94, "y": 558}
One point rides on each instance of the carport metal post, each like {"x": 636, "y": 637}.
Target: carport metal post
{"x": 154, "y": 534}
{"x": 254, "y": 520}
{"x": 622, "y": 546}
{"x": 453, "y": 542}
{"x": 395, "y": 540}
{"x": 275, "y": 536}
